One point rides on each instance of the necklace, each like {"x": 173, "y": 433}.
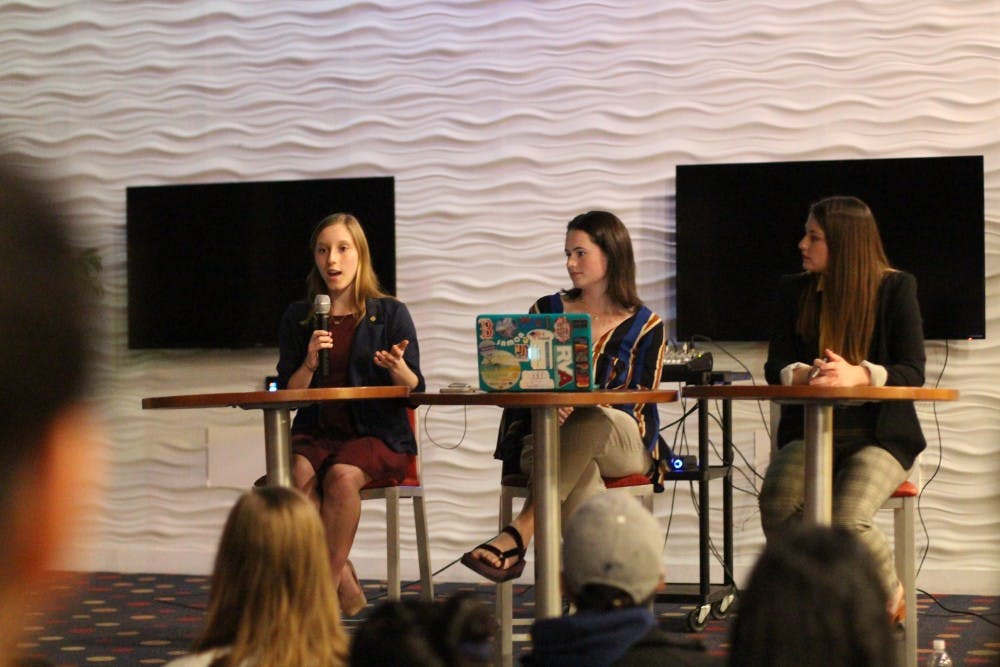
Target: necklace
{"x": 335, "y": 321}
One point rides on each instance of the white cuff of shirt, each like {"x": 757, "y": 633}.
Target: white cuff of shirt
{"x": 878, "y": 373}
{"x": 786, "y": 372}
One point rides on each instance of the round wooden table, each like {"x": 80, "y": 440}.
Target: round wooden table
{"x": 276, "y": 406}
{"x": 818, "y": 404}
{"x": 545, "y": 474}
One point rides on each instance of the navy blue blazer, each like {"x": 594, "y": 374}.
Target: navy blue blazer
{"x": 386, "y": 322}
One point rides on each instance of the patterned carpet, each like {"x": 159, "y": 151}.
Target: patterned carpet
{"x": 148, "y": 619}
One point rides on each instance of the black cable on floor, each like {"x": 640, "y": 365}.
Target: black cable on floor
{"x": 958, "y": 611}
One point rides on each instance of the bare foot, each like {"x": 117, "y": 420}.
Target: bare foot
{"x": 504, "y": 542}
{"x": 349, "y": 585}
{"x": 897, "y": 607}
{"x": 349, "y": 591}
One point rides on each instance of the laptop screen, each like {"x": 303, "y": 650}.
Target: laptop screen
{"x": 534, "y": 352}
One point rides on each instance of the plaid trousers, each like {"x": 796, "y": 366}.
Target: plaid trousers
{"x": 862, "y": 482}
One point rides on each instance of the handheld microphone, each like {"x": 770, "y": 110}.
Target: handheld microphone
{"x": 322, "y": 307}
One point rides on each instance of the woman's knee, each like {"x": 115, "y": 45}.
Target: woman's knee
{"x": 850, "y": 520}
{"x": 586, "y": 424}
{"x": 341, "y": 478}
{"x": 778, "y": 505}
{"x": 303, "y": 474}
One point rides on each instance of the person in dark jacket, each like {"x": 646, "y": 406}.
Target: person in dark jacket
{"x": 612, "y": 566}
{"x": 812, "y": 598}
{"x": 339, "y": 447}
{"x": 849, "y": 319}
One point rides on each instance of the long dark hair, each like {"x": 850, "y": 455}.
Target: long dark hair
{"x": 844, "y": 312}
{"x": 611, "y": 236}
{"x": 814, "y": 597}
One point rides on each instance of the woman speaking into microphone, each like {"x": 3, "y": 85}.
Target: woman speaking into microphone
{"x": 367, "y": 339}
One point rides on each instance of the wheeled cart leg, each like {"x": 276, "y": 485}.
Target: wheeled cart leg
{"x": 699, "y": 617}
{"x": 714, "y": 601}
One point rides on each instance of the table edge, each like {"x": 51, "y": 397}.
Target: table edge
{"x": 804, "y": 393}
{"x": 274, "y": 399}
{"x": 546, "y": 398}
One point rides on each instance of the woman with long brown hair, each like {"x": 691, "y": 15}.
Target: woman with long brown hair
{"x": 627, "y": 354}
{"x": 849, "y": 319}
{"x": 338, "y": 448}
{"x": 272, "y": 599}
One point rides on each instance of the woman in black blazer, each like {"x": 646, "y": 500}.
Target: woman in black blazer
{"x": 849, "y": 319}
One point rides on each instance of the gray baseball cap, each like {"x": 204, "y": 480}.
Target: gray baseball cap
{"x": 611, "y": 539}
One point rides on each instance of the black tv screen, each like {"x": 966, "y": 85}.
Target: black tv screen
{"x": 738, "y": 226}
{"x": 215, "y": 265}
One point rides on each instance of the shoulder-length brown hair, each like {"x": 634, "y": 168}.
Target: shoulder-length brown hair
{"x": 844, "y": 311}
{"x": 366, "y": 283}
{"x": 611, "y": 236}
{"x": 272, "y": 600}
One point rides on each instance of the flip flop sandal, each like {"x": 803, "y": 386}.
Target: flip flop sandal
{"x": 498, "y": 574}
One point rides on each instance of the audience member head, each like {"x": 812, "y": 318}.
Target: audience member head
{"x": 611, "y": 236}
{"x": 612, "y": 553}
{"x": 366, "y": 283}
{"x": 272, "y": 598}
{"x": 49, "y": 438}
{"x": 813, "y": 598}
{"x": 457, "y": 632}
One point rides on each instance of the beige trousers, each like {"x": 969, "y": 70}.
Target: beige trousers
{"x": 594, "y": 442}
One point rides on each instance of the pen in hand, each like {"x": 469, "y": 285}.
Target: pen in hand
{"x": 814, "y": 371}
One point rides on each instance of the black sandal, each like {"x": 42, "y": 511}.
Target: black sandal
{"x": 498, "y": 574}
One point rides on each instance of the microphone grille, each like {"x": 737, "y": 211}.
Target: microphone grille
{"x": 322, "y": 304}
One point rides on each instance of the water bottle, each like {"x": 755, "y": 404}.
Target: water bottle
{"x": 940, "y": 657}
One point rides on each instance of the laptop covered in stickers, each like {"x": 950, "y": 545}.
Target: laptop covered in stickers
{"x": 534, "y": 352}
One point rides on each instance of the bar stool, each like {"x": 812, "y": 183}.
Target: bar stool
{"x": 392, "y": 493}
{"x": 903, "y": 504}
{"x": 516, "y": 486}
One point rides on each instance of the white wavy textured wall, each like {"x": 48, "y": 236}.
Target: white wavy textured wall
{"x": 499, "y": 120}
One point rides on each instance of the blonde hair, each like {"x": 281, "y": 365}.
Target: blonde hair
{"x": 366, "y": 283}
{"x": 856, "y": 264}
{"x": 272, "y": 599}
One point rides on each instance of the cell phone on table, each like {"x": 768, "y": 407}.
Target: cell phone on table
{"x": 458, "y": 388}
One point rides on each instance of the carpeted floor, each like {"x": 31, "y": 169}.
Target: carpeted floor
{"x": 140, "y": 619}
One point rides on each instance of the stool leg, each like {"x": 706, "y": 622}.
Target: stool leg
{"x": 505, "y": 595}
{"x": 392, "y": 541}
{"x": 904, "y": 538}
{"x": 423, "y": 548}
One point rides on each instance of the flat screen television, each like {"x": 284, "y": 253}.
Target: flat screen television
{"x": 738, "y": 226}
{"x": 215, "y": 265}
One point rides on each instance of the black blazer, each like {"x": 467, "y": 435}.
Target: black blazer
{"x": 386, "y": 322}
{"x": 897, "y": 344}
